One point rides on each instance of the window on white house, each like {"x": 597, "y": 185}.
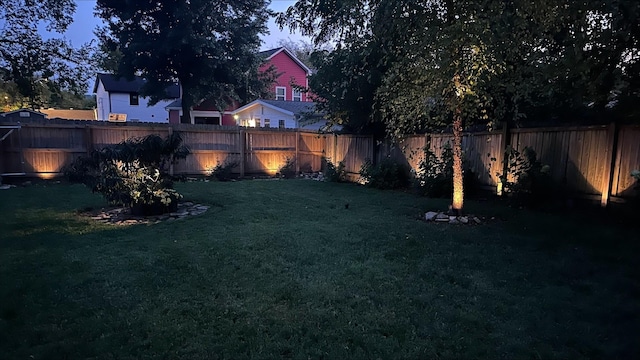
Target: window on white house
{"x": 281, "y": 124}
{"x": 133, "y": 99}
{"x": 267, "y": 123}
{"x": 281, "y": 93}
{"x": 257, "y": 122}
{"x": 296, "y": 95}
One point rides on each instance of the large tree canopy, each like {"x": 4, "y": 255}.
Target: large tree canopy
{"x": 445, "y": 61}
{"x": 210, "y": 47}
{"x": 32, "y": 67}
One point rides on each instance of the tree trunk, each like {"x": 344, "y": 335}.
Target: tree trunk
{"x": 186, "y": 112}
{"x": 458, "y": 191}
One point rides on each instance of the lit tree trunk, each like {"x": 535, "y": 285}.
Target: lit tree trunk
{"x": 458, "y": 192}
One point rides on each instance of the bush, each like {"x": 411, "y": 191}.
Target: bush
{"x": 527, "y": 180}
{"x": 387, "y": 174}
{"x": 132, "y": 173}
{"x": 224, "y": 171}
{"x": 288, "y": 170}
{"x": 334, "y": 173}
{"x": 434, "y": 177}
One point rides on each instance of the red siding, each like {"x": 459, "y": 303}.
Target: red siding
{"x": 290, "y": 72}
{"x": 228, "y": 120}
{"x": 174, "y": 116}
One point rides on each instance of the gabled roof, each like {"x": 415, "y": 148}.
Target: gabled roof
{"x": 268, "y": 54}
{"x": 70, "y": 114}
{"x": 293, "y": 108}
{"x": 22, "y": 110}
{"x": 116, "y": 84}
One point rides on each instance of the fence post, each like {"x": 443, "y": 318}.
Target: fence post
{"x": 297, "y": 151}
{"x": 241, "y": 136}
{"x": 171, "y": 160}
{"x": 505, "y": 141}
{"x": 88, "y": 141}
{"x": 610, "y": 155}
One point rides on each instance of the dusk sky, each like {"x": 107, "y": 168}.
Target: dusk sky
{"x": 81, "y": 31}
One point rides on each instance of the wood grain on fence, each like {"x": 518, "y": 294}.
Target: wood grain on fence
{"x": 627, "y": 160}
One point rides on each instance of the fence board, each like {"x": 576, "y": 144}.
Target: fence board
{"x": 627, "y": 160}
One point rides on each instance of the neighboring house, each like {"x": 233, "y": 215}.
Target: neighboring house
{"x": 291, "y": 74}
{"x": 22, "y": 115}
{"x": 279, "y": 114}
{"x": 118, "y": 96}
{"x": 204, "y": 113}
{"x": 70, "y": 114}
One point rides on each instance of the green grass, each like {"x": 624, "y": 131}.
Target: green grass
{"x": 280, "y": 269}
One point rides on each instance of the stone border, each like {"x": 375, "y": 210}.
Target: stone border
{"x": 442, "y": 217}
{"x": 122, "y": 215}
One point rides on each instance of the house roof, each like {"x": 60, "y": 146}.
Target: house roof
{"x": 21, "y": 110}
{"x": 293, "y": 108}
{"x": 268, "y": 54}
{"x": 70, "y": 114}
{"x": 112, "y": 83}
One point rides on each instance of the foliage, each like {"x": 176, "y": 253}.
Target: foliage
{"x": 387, "y": 174}
{"x": 210, "y": 48}
{"x": 527, "y": 179}
{"x": 132, "y": 172}
{"x": 434, "y": 177}
{"x": 288, "y": 170}
{"x": 223, "y": 171}
{"x": 332, "y": 172}
{"x": 33, "y": 68}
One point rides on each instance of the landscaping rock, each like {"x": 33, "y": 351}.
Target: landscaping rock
{"x": 430, "y": 216}
{"x": 477, "y": 220}
{"x": 463, "y": 219}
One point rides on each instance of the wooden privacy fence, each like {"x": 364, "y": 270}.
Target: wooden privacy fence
{"x": 593, "y": 160}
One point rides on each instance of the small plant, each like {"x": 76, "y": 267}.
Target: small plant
{"x": 133, "y": 173}
{"x": 288, "y": 170}
{"x": 224, "y": 171}
{"x": 387, "y": 174}
{"x": 434, "y": 177}
{"x": 527, "y": 179}
{"x": 334, "y": 173}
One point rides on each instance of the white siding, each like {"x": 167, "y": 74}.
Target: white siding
{"x": 102, "y": 102}
{"x": 142, "y": 112}
{"x": 263, "y": 112}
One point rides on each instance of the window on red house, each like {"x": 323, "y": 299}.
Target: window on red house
{"x": 296, "y": 95}
{"x": 281, "y": 93}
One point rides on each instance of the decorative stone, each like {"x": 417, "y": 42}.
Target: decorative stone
{"x": 452, "y": 218}
{"x": 440, "y": 219}
{"x": 454, "y": 221}
{"x": 430, "y": 216}
{"x": 476, "y": 220}
{"x": 463, "y": 219}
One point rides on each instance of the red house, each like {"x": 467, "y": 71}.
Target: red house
{"x": 291, "y": 74}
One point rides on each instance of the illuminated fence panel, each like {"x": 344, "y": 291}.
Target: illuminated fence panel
{"x": 627, "y": 160}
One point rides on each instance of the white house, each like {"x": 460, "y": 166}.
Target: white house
{"x": 279, "y": 114}
{"x": 118, "y": 98}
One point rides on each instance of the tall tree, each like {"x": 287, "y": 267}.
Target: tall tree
{"x": 454, "y": 62}
{"x": 210, "y": 47}
{"x": 34, "y": 65}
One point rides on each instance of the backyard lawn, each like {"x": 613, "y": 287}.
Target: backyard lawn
{"x": 283, "y": 269}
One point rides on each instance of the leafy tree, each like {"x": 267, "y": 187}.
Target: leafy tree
{"x": 303, "y": 49}
{"x": 32, "y": 66}
{"x": 209, "y": 47}
{"x": 454, "y": 63}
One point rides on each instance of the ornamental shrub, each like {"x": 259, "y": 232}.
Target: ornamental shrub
{"x": 387, "y": 174}
{"x": 332, "y": 172}
{"x": 133, "y": 172}
{"x": 223, "y": 171}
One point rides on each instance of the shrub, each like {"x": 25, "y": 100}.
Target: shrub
{"x": 527, "y": 180}
{"x": 387, "y": 174}
{"x": 434, "y": 177}
{"x": 224, "y": 171}
{"x": 132, "y": 173}
{"x": 334, "y": 173}
{"x": 288, "y": 170}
